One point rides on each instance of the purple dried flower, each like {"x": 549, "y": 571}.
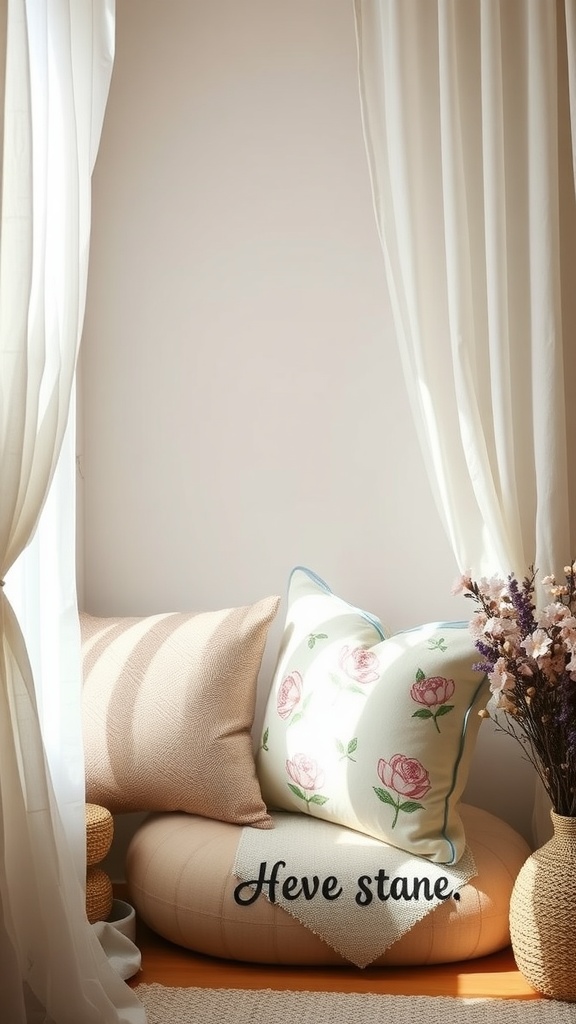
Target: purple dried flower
{"x": 522, "y": 602}
{"x": 487, "y": 652}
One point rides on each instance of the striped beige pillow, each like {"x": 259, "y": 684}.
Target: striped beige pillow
{"x": 168, "y": 707}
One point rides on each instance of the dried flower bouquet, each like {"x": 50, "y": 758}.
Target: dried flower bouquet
{"x": 530, "y": 658}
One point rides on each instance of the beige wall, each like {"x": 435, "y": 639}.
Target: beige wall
{"x": 243, "y": 404}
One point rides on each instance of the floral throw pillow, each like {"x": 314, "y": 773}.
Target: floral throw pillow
{"x": 370, "y": 732}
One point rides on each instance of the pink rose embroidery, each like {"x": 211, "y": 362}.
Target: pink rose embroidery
{"x": 407, "y": 778}
{"x": 359, "y": 664}
{"x": 405, "y": 775}
{"x": 289, "y": 694}
{"x": 432, "y": 692}
{"x": 307, "y": 776}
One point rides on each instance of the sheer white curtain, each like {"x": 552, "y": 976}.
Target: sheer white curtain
{"x": 469, "y": 112}
{"x": 460, "y": 104}
{"x": 58, "y": 58}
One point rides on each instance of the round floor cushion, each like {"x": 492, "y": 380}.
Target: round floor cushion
{"x": 180, "y": 877}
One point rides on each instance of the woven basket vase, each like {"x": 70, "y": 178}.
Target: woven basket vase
{"x": 543, "y": 914}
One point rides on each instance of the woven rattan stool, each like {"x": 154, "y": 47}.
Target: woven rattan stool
{"x": 99, "y": 835}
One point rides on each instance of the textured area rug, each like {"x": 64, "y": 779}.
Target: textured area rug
{"x": 245, "y": 1006}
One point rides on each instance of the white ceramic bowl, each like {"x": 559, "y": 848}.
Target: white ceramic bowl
{"x": 123, "y": 918}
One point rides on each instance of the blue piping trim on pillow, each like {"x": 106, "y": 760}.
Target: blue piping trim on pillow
{"x": 458, "y": 624}
{"x": 457, "y": 762}
{"x": 375, "y": 622}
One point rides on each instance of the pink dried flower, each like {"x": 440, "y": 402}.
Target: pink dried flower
{"x": 500, "y": 678}
{"x": 537, "y": 645}
{"x": 462, "y": 584}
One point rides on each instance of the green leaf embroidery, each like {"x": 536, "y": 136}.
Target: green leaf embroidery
{"x": 314, "y": 637}
{"x": 345, "y": 685}
{"x": 316, "y": 798}
{"x": 348, "y": 750}
{"x": 265, "y": 739}
{"x": 410, "y": 806}
{"x": 297, "y": 792}
{"x": 420, "y": 675}
{"x": 444, "y": 709}
{"x": 437, "y": 645}
{"x": 384, "y": 796}
{"x": 426, "y": 713}
{"x": 300, "y": 714}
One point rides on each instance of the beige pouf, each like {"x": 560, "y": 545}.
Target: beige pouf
{"x": 179, "y": 872}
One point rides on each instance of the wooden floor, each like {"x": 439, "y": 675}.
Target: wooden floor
{"x": 495, "y": 976}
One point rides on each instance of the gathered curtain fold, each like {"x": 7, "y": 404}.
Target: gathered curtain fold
{"x": 469, "y": 114}
{"x": 58, "y": 59}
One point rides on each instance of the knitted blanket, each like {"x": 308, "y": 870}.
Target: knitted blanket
{"x": 357, "y": 893}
